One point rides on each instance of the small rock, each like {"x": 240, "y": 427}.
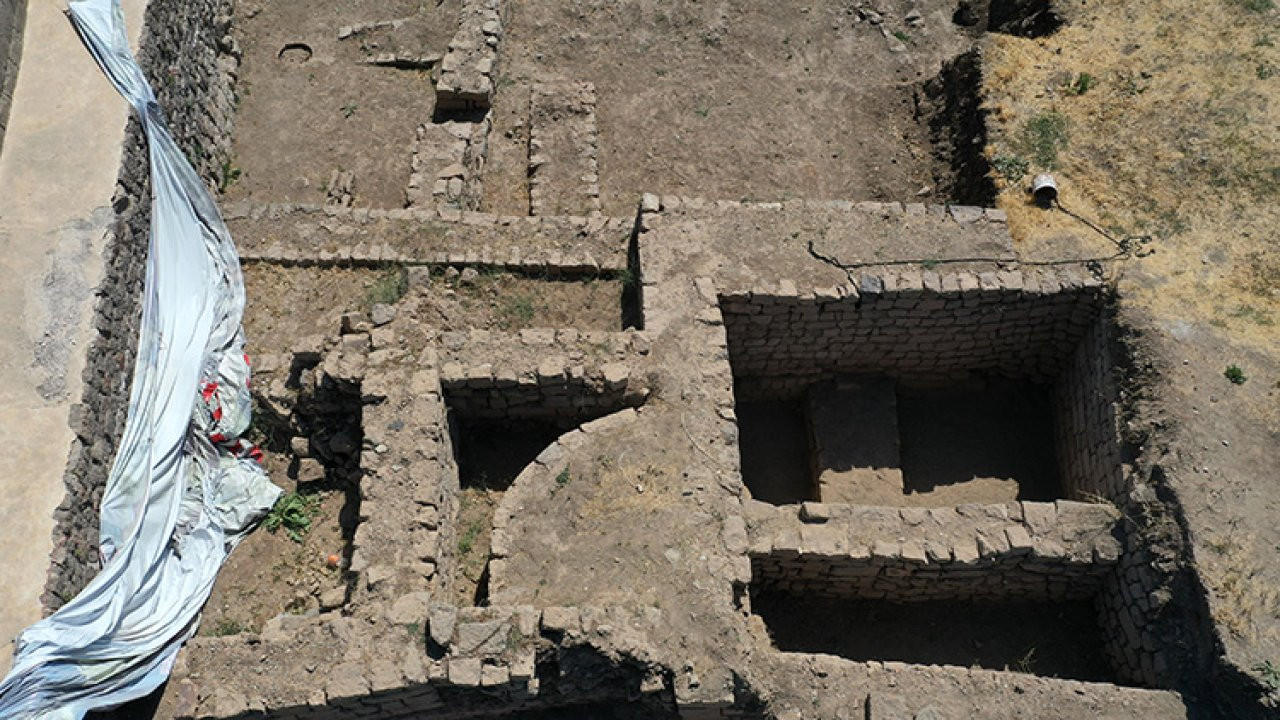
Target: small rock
{"x": 468, "y": 276}
{"x": 342, "y": 444}
{"x": 381, "y": 314}
{"x": 309, "y": 471}
{"x": 333, "y": 598}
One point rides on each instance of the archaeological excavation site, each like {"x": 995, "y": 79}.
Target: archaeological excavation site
{"x": 657, "y": 360}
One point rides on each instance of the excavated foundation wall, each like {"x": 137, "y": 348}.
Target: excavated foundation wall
{"x": 924, "y": 326}
{"x": 1091, "y": 456}
{"x": 543, "y": 374}
{"x": 1042, "y": 325}
{"x": 13, "y": 18}
{"x": 191, "y": 62}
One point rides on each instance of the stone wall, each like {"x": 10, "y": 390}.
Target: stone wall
{"x": 191, "y": 62}
{"x": 13, "y": 16}
{"x": 468, "y": 69}
{"x": 1087, "y": 437}
{"x": 290, "y": 234}
{"x": 914, "y": 324}
{"x": 542, "y": 373}
{"x": 1015, "y": 551}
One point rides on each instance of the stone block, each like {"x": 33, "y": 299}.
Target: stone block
{"x": 465, "y": 672}
{"x": 441, "y": 622}
{"x": 561, "y": 620}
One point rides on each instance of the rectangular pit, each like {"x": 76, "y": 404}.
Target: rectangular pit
{"x": 1052, "y": 639}
{"x": 930, "y": 389}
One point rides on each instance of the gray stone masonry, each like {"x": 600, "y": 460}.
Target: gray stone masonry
{"x": 1020, "y": 550}
{"x": 315, "y": 235}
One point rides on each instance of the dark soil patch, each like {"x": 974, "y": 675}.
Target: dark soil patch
{"x": 1049, "y": 639}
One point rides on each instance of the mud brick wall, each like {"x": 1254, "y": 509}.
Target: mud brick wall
{"x": 410, "y": 478}
{"x": 191, "y": 62}
{"x": 1017, "y": 551}
{"x": 13, "y": 18}
{"x": 913, "y": 324}
{"x": 1086, "y": 433}
{"x": 542, "y": 373}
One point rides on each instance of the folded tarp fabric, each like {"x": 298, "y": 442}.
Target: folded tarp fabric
{"x": 183, "y": 489}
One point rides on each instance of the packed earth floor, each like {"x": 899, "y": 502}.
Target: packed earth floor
{"x": 699, "y": 360}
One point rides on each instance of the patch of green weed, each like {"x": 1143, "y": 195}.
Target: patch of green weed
{"x": 1011, "y": 167}
{"x": 1235, "y": 375}
{"x": 293, "y": 513}
{"x": 390, "y": 286}
{"x": 1043, "y": 137}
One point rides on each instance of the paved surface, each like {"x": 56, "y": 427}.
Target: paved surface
{"x": 57, "y": 173}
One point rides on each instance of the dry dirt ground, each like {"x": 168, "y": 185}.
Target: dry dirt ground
{"x": 305, "y": 113}
{"x": 1174, "y": 135}
{"x": 270, "y": 574}
{"x": 714, "y": 99}
{"x": 289, "y": 304}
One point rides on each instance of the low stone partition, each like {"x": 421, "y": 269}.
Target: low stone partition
{"x": 468, "y": 69}
{"x": 191, "y": 60}
{"x": 292, "y": 234}
{"x": 564, "y": 172}
{"x": 448, "y": 163}
{"x": 408, "y": 492}
{"x": 1020, "y": 550}
{"x": 542, "y": 373}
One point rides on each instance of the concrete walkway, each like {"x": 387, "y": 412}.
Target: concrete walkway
{"x": 58, "y": 169}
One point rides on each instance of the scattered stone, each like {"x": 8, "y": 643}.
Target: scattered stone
{"x": 381, "y": 314}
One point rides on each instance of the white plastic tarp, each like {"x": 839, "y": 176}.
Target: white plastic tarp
{"x": 183, "y": 489}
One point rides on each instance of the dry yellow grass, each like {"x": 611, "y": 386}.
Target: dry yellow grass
{"x": 1232, "y": 575}
{"x": 1177, "y": 137}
